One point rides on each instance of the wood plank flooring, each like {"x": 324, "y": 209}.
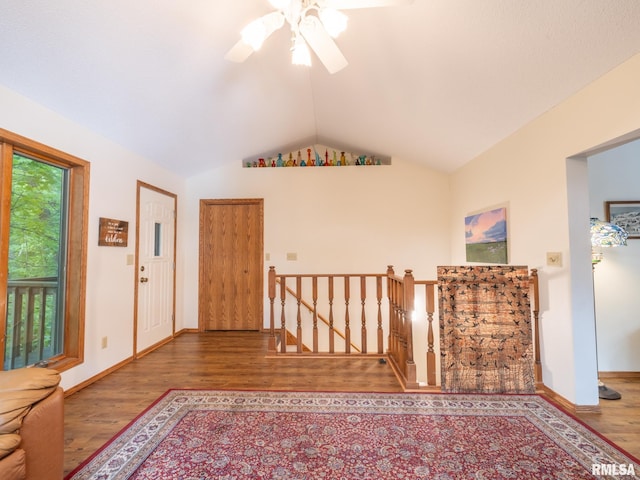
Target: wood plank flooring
{"x": 620, "y": 419}
{"x": 236, "y": 360}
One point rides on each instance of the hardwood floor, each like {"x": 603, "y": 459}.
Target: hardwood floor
{"x": 236, "y": 360}
{"x": 620, "y": 419}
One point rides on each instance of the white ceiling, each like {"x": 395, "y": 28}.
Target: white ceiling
{"x": 437, "y": 82}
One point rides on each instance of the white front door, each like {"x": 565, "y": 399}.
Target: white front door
{"x": 156, "y": 266}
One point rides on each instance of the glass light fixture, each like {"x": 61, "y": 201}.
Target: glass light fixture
{"x": 310, "y": 20}
{"x": 605, "y": 234}
{"x": 257, "y": 31}
{"x": 254, "y": 34}
{"x": 300, "y": 52}
{"x": 334, "y": 21}
{"x": 279, "y": 4}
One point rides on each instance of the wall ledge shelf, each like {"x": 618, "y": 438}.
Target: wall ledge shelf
{"x": 315, "y": 155}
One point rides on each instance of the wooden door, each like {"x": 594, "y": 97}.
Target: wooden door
{"x": 231, "y": 269}
{"x": 155, "y": 281}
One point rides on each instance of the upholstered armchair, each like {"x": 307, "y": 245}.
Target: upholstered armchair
{"x": 31, "y": 425}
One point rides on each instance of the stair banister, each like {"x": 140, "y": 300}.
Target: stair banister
{"x": 272, "y": 298}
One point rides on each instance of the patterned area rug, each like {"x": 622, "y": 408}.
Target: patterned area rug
{"x": 196, "y": 435}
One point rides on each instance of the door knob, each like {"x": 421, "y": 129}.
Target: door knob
{"x": 144, "y": 279}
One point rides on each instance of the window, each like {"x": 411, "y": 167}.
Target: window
{"x": 157, "y": 248}
{"x": 43, "y": 197}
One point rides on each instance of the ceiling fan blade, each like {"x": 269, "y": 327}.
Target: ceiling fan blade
{"x": 350, "y": 4}
{"x": 239, "y": 52}
{"x": 322, "y": 44}
{"x": 262, "y": 28}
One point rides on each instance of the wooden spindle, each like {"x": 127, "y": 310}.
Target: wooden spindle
{"x": 379, "y": 299}
{"x": 401, "y": 321}
{"x": 41, "y": 322}
{"x": 331, "y": 330}
{"x": 315, "y": 313}
{"x": 31, "y": 308}
{"x": 363, "y": 299}
{"x": 283, "y": 320}
{"x": 409, "y": 294}
{"x": 536, "y": 324}
{"x": 347, "y": 328}
{"x": 431, "y": 354}
{"x": 17, "y": 319}
{"x": 397, "y": 318}
{"x": 390, "y": 275}
{"x": 272, "y": 320}
{"x": 299, "y": 316}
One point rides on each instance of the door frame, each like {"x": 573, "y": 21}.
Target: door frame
{"x": 139, "y": 185}
{"x": 230, "y": 201}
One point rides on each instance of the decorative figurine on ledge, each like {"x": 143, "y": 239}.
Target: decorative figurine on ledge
{"x": 336, "y": 158}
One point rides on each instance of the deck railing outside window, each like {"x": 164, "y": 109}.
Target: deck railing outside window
{"x": 31, "y": 329}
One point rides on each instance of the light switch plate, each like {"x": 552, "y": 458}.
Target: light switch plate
{"x": 554, "y": 259}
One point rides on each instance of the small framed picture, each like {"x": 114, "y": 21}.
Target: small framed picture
{"x": 486, "y": 236}
{"x": 625, "y": 214}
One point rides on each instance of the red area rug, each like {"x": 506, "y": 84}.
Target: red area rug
{"x": 196, "y": 435}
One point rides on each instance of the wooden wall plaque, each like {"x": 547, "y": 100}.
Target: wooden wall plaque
{"x": 113, "y": 233}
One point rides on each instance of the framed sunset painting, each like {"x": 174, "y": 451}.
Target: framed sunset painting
{"x": 486, "y": 236}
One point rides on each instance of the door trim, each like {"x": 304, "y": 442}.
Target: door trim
{"x": 229, "y": 201}
{"x": 139, "y": 185}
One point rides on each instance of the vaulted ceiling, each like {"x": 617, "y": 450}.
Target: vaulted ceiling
{"x": 436, "y": 81}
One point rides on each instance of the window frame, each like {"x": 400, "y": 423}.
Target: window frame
{"x": 77, "y": 241}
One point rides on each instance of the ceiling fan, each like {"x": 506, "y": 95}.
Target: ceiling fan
{"x": 314, "y": 23}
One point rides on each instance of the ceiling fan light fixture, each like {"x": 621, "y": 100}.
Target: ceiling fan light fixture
{"x": 259, "y": 30}
{"x": 279, "y": 4}
{"x": 254, "y": 34}
{"x": 333, "y": 20}
{"x": 300, "y": 54}
{"x": 314, "y": 25}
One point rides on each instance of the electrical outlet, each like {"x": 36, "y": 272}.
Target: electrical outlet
{"x": 104, "y": 342}
{"x": 554, "y": 259}
{"x": 292, "y": 256}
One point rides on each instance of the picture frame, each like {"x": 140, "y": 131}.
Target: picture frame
{"x": 625, "y": 214}
{"x": 486, "y": 236}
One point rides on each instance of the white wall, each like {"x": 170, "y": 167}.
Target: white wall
{"x": 343, "y": 220}
{"x": 529, "y": 171}
{"x": 337, "y": 219}
{"x": 361, "y": 219}
{"x": 613, "y": 175}
{"x": 110, "y": 281}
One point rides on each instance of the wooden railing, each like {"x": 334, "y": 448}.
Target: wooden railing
{"x": 31, "y": 313}
{"x": 401, "y": 295}
{"x": 334, "y": 287}
{"x": 330, "y": 318}
{"x": 321, "y": 318}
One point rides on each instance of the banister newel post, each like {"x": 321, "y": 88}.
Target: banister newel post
{"x": 409, "y": 296}
{"x": 272, "y": 298}
{"x": 390, "y": 274}
{"x": 536, "y": 324}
